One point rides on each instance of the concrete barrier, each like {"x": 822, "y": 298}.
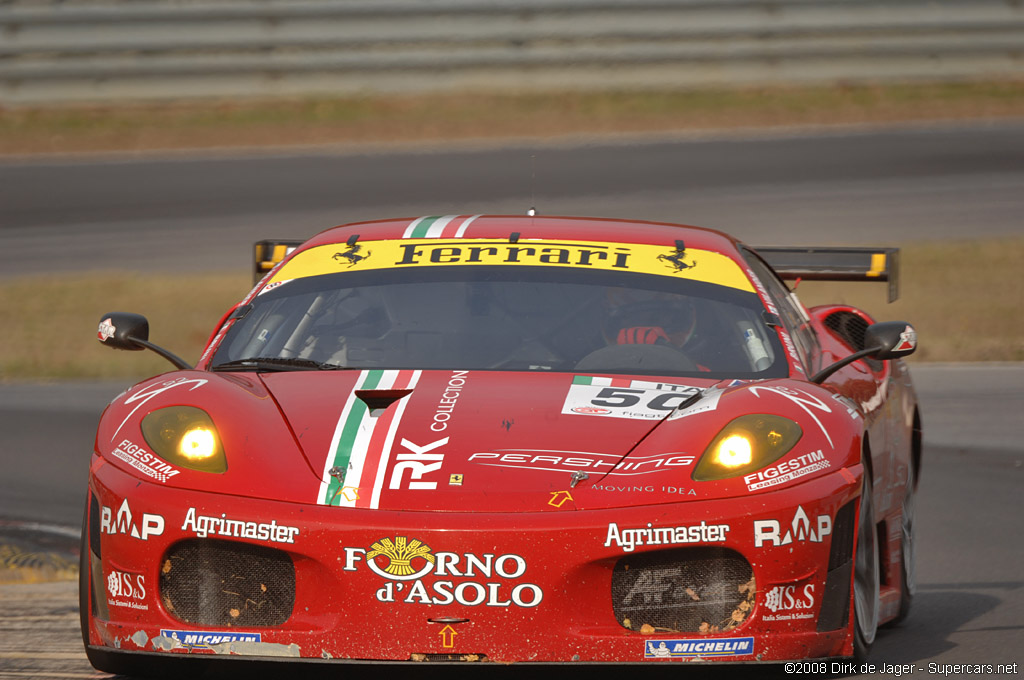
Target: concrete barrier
{"x": 86, "y": 50}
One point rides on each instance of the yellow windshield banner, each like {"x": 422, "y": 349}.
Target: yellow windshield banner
{"x": 692, "y": 264}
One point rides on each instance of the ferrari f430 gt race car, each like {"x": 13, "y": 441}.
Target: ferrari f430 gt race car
{"x": 515, "y": 440}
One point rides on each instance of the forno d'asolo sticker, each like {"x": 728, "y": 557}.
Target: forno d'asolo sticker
{"x": 414, "y": 573}
{"x": 701, "y": 265}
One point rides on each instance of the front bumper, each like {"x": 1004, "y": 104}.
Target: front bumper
{"x": 415, "y": 586}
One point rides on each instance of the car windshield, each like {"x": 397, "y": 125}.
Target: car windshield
{"x": 505, "y": 318}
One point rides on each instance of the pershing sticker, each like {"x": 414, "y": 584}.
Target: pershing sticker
{"x": 787, "y": 471}
{"x": 570, "y": 461}
{"x": 701, "y": 647}
{"x": 624, "y": 398}
{"x": 405, "y": 563}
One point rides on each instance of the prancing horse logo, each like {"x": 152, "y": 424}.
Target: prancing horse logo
{"x": 675, "y": 260}
{"x": 352, "y": 255}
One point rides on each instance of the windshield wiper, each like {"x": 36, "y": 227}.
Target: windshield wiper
{"x": 265, "y": 364}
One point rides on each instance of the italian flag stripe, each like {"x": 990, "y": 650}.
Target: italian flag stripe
{"x": 610, "y": 382}
{"x": 600, "y": 381}
{"x": 461, "y": 231}
{"x": 419, "y": 227}
{"x": 361, "y": 440}
{"x": 439, "y": 226}
{"x": 346, "y": 435}
{"x": 436, "y": 229}
{"x": 384, "y": 439}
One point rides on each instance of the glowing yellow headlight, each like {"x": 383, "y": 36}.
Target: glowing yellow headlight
{"x": 746, "y": 444}
{"x": 734, "y": 451}
{"x": 198, "y": 444}
{"x": 185, "y": 436}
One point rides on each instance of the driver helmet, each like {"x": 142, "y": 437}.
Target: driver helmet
{"x": 649, "y": 318}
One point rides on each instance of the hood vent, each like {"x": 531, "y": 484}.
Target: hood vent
{"x": 378, "y": 401}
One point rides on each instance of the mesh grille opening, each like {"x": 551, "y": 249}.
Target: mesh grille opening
{"x": 222, "y": 583}
{"x": 850, "y": 328}
{"x": 704, "y": 590}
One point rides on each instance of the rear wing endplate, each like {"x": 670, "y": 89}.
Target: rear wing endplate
{"x": 835, "y": 264}
{"x": 267, "y": 254}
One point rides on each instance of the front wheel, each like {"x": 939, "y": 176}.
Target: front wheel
{"x": 907, "y": 548}
{"x": 866, "y": 578}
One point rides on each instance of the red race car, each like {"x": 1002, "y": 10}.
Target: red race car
{"x": 511, "y": 439}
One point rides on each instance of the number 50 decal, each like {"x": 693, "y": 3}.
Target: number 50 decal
{"x": 641, "y": 400}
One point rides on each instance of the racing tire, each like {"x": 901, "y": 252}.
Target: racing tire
{"x": 908, "y": 546}
{"x": 866, "y": 575}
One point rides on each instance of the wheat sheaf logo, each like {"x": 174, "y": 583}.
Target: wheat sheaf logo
{"x": 401, "y": 554}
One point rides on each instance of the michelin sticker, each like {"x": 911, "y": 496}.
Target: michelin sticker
{"x": 624, "y": 398}
{"x": 706, "y": 647}
{"x": 205, "y": 639}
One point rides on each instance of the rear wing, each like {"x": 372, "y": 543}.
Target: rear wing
{"x": 835, "y": 264}
{"x": 266, "y": 255}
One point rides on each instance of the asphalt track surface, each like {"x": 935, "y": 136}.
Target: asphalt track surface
{"x": 194, "y": 213}
{"x": 190, "y": 212}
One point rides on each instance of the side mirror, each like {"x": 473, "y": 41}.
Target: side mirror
{"x": 886, "y": 340}
{"x": 893, "y": 339}
{"x": 123, "y": 330}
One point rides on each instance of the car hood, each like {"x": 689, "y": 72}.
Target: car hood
{"x": 487, "y": 440}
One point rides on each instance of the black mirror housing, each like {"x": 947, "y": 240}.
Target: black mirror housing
{"x": 123, "y": 330}
{"x": 893, "y": 339}
{"x": 886, "y": 340}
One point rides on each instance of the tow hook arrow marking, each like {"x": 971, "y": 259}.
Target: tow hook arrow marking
{"x": 558, "y": 498}
{"x": 448, "y": 637}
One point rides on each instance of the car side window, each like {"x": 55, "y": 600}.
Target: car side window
{"x": 793, "y": 314}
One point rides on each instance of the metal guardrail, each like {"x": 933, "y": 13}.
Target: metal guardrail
{"x": 58, "y": 51}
